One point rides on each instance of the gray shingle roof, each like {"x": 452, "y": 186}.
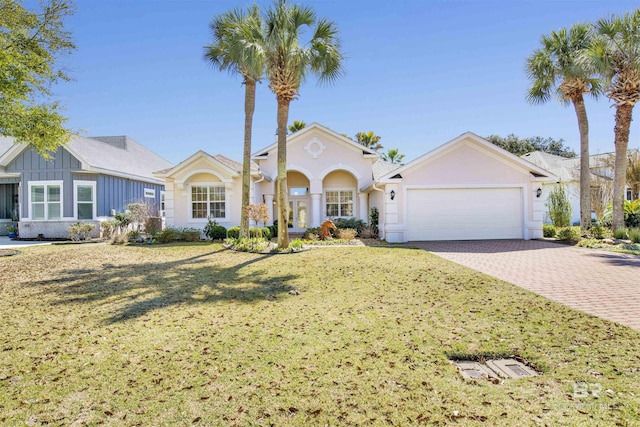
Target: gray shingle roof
{"x": 119, "y": 154}
{"x": 381, "y": 168}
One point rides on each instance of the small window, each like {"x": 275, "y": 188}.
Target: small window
{"x": 298, "y": 191}
{"x": 85, "y": 199}
{"x": 149, "y": 193}
{"x": 339, "y": 203}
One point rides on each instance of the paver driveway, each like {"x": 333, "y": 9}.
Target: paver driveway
{"x": 603, "y": 284}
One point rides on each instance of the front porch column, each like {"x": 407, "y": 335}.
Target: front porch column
{"x": 363, "y": 207}
{"x": 268, "y": 200}
{"x": 315, "y": 209}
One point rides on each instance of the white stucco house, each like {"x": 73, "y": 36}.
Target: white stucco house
{"x": 466, "y": 189}
{"x": 567, "y": 170}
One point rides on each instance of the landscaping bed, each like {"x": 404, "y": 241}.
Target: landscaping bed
{"x": 182, "y": 334}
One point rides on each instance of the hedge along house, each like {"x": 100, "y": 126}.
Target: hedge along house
{"x": 465, "y": 189}
{"x": 88, "y": 179}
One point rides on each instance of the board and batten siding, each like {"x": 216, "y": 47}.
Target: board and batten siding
{"x": 112, "y": 192}
{"x": 7, "y": 192}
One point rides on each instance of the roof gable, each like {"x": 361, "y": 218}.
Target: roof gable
{"x": 294, "y": 137}
{"x": 482, "y": 144}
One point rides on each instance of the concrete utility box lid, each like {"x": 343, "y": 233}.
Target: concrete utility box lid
{"x": 474, "y": 370}
{"x": 510, "y": 368}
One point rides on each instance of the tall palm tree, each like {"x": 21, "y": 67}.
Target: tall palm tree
{"x": 555, "y": 69}
{"x": 297, "y": 125}
{"x": 237, "y": 47}
{"x": 615, "y": 53}
{"x": 392, "y": 156}
{"x": 369, "y": 140}
{"x": 288, "y": 61}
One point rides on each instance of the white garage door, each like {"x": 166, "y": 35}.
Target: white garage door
{"x": 464, "y": 214}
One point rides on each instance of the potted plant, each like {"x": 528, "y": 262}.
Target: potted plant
{"x": 12, "y": 230}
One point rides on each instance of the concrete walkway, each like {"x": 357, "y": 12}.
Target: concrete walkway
{"x": 6, "y": 243}
{"x": 604, "y": 284}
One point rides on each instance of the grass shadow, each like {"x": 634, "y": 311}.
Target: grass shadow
{"x": 131, "y": 290}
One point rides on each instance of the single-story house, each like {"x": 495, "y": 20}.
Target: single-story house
{"x": 568, "y": 172}
{"x": 88, "y": 179}
{"x": 466, "y": 189}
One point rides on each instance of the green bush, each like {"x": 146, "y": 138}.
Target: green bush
{"x": 598, "y": 232}
{"x": 256, "y": 244}
{"x": 620, "y": 233}
{"x": 266, "y": 233}
{"x": 373, "y": 221}
{"x": 311, "y": 233}
{"x": 568, "y": 233}
{"x": 233, "y": 232}
{"x": 274, "y": 231}
{"x": 354, "y": 223}
{"x": 632, "y": 220}
{"x": 559, "y": 207}
{"x": 548, "y": 230}
{"x": 255, "y": 232}
{"x": 214, "y": 231}
{"x": 296, "y": 245}
{"x": 634, "y": 235}
{"x": 189, "y": 234}
{"x": 167, "y": 235}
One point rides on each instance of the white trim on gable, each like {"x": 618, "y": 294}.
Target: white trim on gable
{"x": 198, "y": 155}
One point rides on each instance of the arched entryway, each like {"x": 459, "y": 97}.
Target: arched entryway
{"x": 339, "y": 195}
{"x": 299, "y": 201}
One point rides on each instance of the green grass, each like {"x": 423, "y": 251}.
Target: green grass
{"x": 182, "y": 334}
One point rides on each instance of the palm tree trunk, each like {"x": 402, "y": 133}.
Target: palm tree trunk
{"x": 281, "y": 180}
{"x": 585, "y": 171}
{"x": 621, "y": 130}
{"x": 249, "y": 107}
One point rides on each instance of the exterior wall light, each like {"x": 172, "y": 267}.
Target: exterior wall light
{"x": 539, "y": 192}
{"x": 392, "y": 194}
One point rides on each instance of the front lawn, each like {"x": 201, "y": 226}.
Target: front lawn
{"x": 195, "y": 334}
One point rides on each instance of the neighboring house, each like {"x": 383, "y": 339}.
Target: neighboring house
{"x": 88, "y": 179}
{"x": 465, "y": 189}
{"x": 568, "y": 172}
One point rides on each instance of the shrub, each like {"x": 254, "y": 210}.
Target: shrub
{"x": 598, "y": 232}
{"x": 266, "y": 233}
{"x": 214, "y": 231}
{"x": 256, "y": 244}
{"x": 296, "y": 245}
{"x": 620, "y": 233}
{"x": 548, "y": 230}
{"x": 258, "y": 212}
{"x": 255, "y": 232}
{"x": 108, "y": 228}
{"x": 347, "y": 233}
{"x": 190, "y": 234}
{"x": 274, "y": 231}
{"x": 153, "y": 225}
{"x": 167, "y": 235}
{"x": 133, "y": 236}
{"x": 311, "y": 233}
{"x": 138, "y": 212}
{"x": 233, "y": 232}
{"x": 632, "y": 220}
{"x": 634, "y": 235}
{"x": 119, "y": 239}
{"x": 568, "y": 233}
{"x": 559, "y": 207}
{"x": 123, "y": 220}
{"x": 80, "y": 230}
{"x": 373, "y": 221}
{"x": 354, "y": 223}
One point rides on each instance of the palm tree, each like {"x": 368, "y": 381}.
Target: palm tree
{"x": 392, "y": 156}
{"x": 555, "y": 69}
{"x": 615, "y": 53}
{"x": 297, "y": 125}
{"x": 237, "y": 47}
{"x": 287, "y": 64}
{"x": 369, "y": 140}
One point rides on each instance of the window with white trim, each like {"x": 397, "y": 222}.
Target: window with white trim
{"x": 45, "y": 200}
{"x": 339, "y": 203}
{"x": 85, "y": 200}
{"x": 208, "y": 201}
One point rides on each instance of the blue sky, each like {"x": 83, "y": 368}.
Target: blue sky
{"x": 418, "y": 73}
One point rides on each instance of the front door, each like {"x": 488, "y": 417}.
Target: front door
{"x": 298, "y": 217}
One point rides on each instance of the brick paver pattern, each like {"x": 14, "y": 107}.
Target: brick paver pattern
{"x": 604, "y": 284}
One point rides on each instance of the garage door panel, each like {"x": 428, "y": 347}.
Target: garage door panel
{"x": 464, "y": 214}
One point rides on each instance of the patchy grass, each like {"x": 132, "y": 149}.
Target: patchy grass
{"x": 182, "y": 334}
